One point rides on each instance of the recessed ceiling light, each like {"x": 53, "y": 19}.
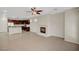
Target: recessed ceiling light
{"x": 35, "y": 20}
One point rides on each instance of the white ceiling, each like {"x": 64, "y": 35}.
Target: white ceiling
{"x": 20, "y": 12}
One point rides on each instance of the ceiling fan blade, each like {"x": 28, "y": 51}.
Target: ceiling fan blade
{"x": 35, "y": 11}
{"x": 32, "y": 9}
{"x": 39, "y": 10}
{"x": 38, "y": 13}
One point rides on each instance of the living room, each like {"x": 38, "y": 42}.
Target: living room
{"x": 54, "y": 27}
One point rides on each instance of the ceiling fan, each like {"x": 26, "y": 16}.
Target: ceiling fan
{"x": 35, "y": 11}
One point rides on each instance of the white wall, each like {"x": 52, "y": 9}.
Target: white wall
{"x": 15, "y": 12}
{"x": 78, "y": 27}
{"x": 41, "y": 21}
{"x": 72, "y": 26}
{"x": 3, "y": 23}
{"x": 56, "y": 25}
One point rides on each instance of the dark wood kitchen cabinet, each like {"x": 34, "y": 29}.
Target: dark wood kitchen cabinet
{"x": 25, "y": 28}
{"x": 21, "y": 22}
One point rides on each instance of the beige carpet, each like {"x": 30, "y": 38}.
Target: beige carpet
{"x": 28, "y": 41}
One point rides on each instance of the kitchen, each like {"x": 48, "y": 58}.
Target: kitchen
{"x": 18, "y": 26}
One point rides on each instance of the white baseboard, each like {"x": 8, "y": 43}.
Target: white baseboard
{"x": 76, "y": 42}
{"x": 48, "y": 35}
{"x": 55, "y": 35}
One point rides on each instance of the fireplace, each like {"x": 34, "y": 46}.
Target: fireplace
{"x": 43, "y": 29}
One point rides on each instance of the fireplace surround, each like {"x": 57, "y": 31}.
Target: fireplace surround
{"x": 43, "y": 29}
